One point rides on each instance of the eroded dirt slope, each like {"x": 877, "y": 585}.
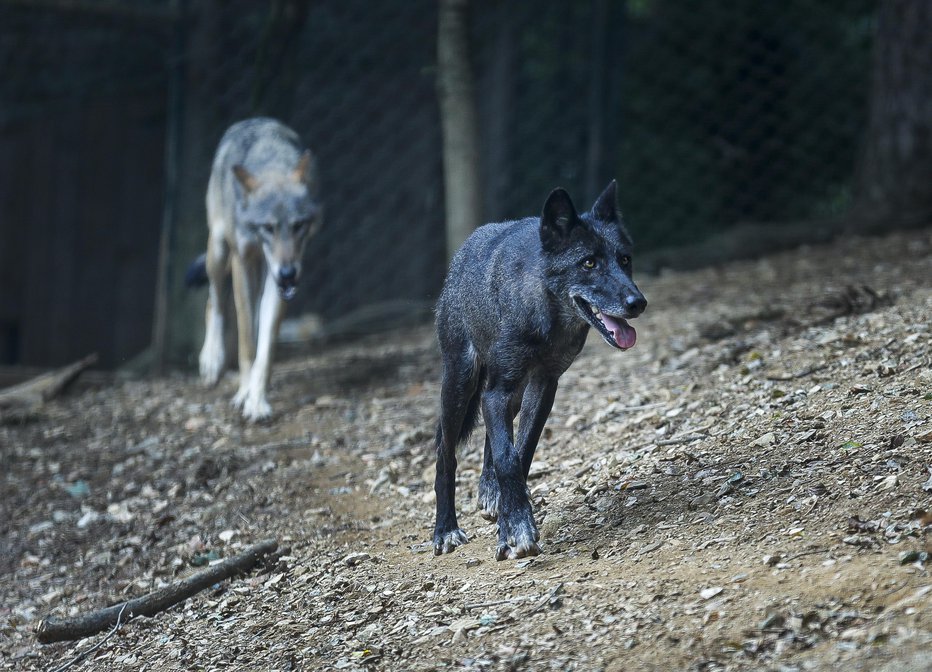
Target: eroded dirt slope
{"x": 747, "y": 489}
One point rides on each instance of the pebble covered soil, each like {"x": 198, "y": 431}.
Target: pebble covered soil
{"x": 749, "y": 488}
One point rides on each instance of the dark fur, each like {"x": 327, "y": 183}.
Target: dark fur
{"x": 513, "y": 315}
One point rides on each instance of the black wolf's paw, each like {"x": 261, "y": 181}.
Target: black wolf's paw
{"x": 488, "y": 498}
{"x": 447, "y": 541}
{"x": 517, "y": 540}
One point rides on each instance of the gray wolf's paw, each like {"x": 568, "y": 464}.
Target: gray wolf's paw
{"x": 211, "y": 362}
{"x": 254, "y": 405}
{"x": 517, "y": 539}
{"x": 447, "y": 541}
{"x": 488, "y": 499}
{"x": 239, "y": 399}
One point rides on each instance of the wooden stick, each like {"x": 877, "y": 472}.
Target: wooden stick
{"x": 57, "y": 630}
{"x": 84, "y": 654}
{"x": 35, "y": 392}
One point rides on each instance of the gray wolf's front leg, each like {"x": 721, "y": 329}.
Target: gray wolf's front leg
{"x": 271, "y": 307}
{"x": 213, "y": 355}
{"x": 246, "y": 343}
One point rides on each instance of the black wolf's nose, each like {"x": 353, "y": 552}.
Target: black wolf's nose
{"x": 287, "y": 273}
{"x": 635, "y": 305}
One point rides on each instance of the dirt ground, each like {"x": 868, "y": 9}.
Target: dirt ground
{"x": 746, "y": 489}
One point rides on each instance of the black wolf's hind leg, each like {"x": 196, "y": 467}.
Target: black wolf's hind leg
{"x": 458, "y": 387}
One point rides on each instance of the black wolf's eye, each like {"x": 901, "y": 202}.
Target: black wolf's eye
{"x": 625, "y": 260}
{"x": 298, "y": 227}
{"x": 267, "y": 229}
{"x": 588, "y": 263}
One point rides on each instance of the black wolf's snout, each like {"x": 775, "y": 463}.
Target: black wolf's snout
{"x": 635, "y": 305}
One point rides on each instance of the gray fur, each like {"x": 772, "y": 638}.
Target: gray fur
{"x": 261, "y": 210}
{"x": 269, "y": 151}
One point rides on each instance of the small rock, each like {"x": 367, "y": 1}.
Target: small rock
{"x": 650, "y": 547}
{"x": 354, "y": 559}
{"x": 574, "y": 421}
{"x": 79, "y": 489}
{"x": 772, "y": 620}
{"x": 890, "y": 482}
{"x": 195, "y": 423}
{"x": 39, "y": 528}
{"x": 709, "y": 593}
{"x": 702, "y": 500}
{"x": 88, "y": 518}
{"x": 908, "y": 557}
{"x": 763, "y": 441}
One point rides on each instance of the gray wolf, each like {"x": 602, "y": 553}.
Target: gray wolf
{"x": 514, "y": 313}
{"x": 262, "y": 208}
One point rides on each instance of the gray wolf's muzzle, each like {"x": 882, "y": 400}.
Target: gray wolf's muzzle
{"x": 287, "y": 281}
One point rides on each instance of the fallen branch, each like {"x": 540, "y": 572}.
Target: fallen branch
{"x": 35, "y": 392}
{"x": 84, "y": 654}
{"x": 57, "y": 630}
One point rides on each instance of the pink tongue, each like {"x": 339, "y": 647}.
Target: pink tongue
{"x": 624, "y": 333}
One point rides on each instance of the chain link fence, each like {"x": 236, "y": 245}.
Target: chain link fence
{"x": 709, "y": 114}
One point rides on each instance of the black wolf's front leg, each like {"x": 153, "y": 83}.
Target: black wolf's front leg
{"x": 535, "y": 409}
{"x": 489, "y": 494}
{"x": 517, "y": 533}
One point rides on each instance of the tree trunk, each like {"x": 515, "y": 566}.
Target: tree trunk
{"x": 895, "y": 178}
{"x": 199, "y": 127}
{"x": 456, "y": 93}
{"x": 598, "y": 71}
{"x": 497, "y": 115}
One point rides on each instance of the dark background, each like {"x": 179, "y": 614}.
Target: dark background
{"x": 740, "y": 126}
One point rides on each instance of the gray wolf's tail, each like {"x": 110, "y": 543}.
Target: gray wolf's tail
{"x": 196, "y": 275}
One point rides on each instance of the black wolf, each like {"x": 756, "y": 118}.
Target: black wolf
{"x": 514, "y": 313}
{"x": 261, "y": 209}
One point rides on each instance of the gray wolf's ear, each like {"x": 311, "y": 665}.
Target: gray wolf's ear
{"x": 557, "y": 219}
{"x": 302, "y": 171}
{"x": 605, "y": 207}
{"x": 246, "y": 179}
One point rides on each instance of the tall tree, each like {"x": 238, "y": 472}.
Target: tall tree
{"x": 896, "y": 171}
{"x": 456, "y": 91}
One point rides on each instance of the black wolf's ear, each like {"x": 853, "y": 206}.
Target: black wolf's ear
{"x": 246, "y": 179}
{"x": 302, "y": 171}
{"x": 557, "y": 219}
{"x": 605, "y": 207}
